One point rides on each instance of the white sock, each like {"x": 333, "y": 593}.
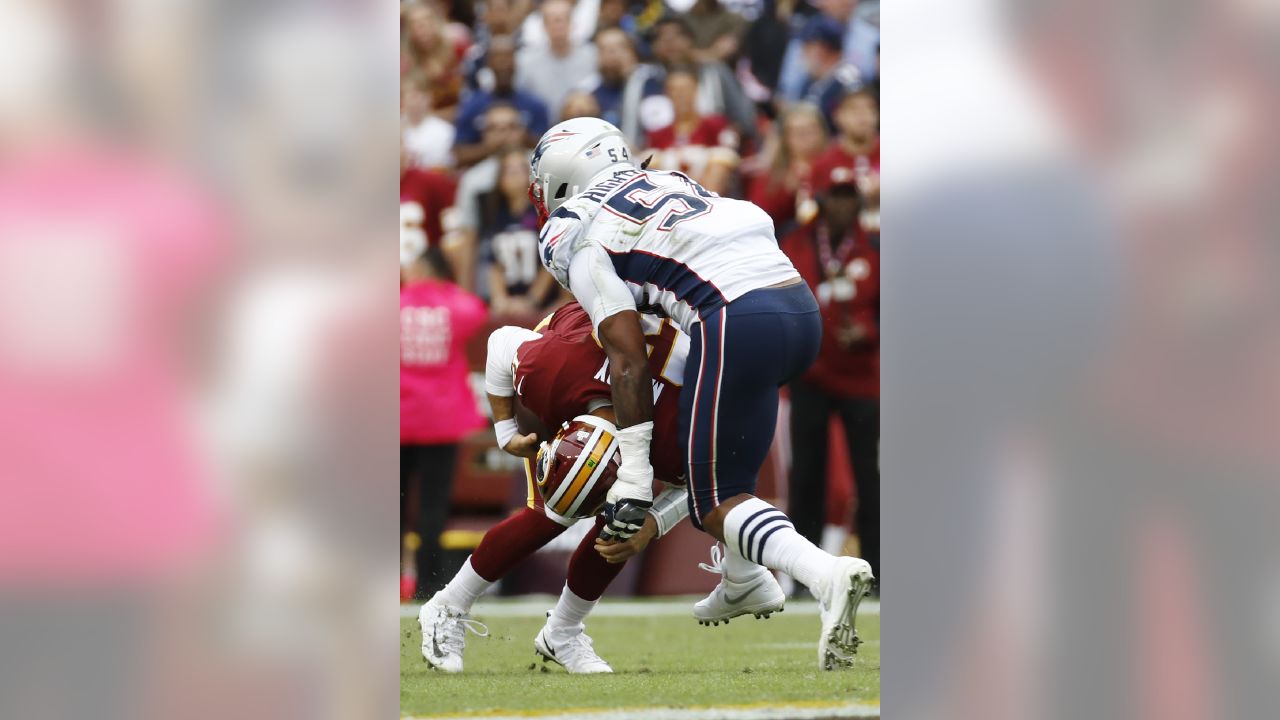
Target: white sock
{"x": 570, "y": 610}
{"x": 762, "y": 533}
{"x": 737, "y": 568}
{"x": 464, "y": 588}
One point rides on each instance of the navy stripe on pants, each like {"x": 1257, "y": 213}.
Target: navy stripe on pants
{"x": 739, "y": 355}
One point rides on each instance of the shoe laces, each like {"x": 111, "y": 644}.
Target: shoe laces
{"x": 717, "y": 561}
{"x": 456, "y": 626}
{"x": 579, "y": 646}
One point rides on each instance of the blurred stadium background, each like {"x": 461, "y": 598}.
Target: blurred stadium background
{"x": 1105, "y": 548}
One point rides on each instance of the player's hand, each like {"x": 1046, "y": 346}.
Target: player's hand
{"x": 623, "y": 519}
{"x": 615, "y": 552}
{"x": 525, "y": 446}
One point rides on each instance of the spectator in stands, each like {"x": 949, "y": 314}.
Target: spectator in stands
{"x": 704, "y": 147}
{"x": 828, "y": 76}
{"x": 780, "y": 181}
{"x": 425, "y": 50}
{"x": 459, "y": 12}
{"x": 503, "y": 130}
{"x": 584, "y": 15}
{"x": 764, "y": 47}
{"x": 437, "y": 407}
{"x": 717, "y": 31}
{"x": 858, "y": 146}
{"x": 613, "y": 14}
{"x": 718, "y": 90}
{"x": 550, "y": 71}
{"x": 842, "y": 267}
{"x": 500, "y": 18}
{"x": 615, "y": 76}
{"x": 429, "y": 137}
{"x": 579, "y": 103}
{"x": 425, "y": 195}
{"x": 860, "y": 26}
{"x": 470, "y": 145}
{"x": 872, "y": 83}
{"x": 508, "y": 227}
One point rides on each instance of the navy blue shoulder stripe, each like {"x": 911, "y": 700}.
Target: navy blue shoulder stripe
{"x": 641, "y": 267}
{"x": 564, "y": 212}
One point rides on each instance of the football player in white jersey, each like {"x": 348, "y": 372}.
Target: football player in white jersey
{"x": 625, "y": 240}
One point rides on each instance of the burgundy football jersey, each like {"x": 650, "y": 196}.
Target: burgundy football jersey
{"x": 557, "y": 375}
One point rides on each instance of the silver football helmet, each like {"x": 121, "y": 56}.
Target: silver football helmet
{"x": 569, "y": 156}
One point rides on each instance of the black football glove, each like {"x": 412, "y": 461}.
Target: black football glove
{"x": 623, "y": 519}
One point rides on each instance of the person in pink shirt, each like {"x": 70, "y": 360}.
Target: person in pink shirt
{"x": 437, "y": 406}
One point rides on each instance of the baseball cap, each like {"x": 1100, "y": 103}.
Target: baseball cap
{"x": 832, "y": 170}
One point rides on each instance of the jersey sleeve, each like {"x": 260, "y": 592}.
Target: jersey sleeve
{"x": 596, "y": 285}
{"x": 561, "y": 235}
{"x": 499, "y": 373}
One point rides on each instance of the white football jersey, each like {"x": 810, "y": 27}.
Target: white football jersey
{"x": 680, "y": 249}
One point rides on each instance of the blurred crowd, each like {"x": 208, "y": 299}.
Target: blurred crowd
{"x": 775, "y": 101}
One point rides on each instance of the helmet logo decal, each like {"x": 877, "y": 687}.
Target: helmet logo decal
{"x": 546, "y": 141}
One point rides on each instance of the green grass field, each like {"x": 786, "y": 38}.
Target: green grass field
{"x": 663, "y": 660}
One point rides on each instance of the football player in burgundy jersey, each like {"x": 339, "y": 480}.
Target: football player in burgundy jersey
{"x": 556, "y": 373}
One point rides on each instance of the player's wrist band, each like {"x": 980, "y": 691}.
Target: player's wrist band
{"x": 505, "y": 430}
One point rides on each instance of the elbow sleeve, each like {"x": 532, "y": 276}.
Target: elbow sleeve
{"x": 669, "y": 508}
{"x": 597, "y": 286}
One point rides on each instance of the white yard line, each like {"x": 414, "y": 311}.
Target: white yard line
{"x": 538, "y": 605}
{"x": 815, "y": 711}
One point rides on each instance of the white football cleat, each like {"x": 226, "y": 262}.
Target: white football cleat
{"x": 840, "y": 597}
{"x": 444, "y": 631}
{"x": 571, "y": 649}
{"x": 759, "y": 595}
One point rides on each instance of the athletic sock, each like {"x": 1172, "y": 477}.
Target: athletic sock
{"x": 464, "y": 588}
{"x": 511, "y": 541}
{"x": 762, "y": 533}
{"x": 570, "y": 610}
{"x": 589, "y": 574}
{"x": 506, "y": 544}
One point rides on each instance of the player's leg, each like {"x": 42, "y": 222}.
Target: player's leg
{"x": 861, "y": 418}
{"x": 564, "y": 639}
{"x": 741, "y": 432}
{"x": 444, "y": 618}
{"x": 705, "y": 406}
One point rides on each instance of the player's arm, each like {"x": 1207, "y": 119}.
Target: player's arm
{"x": 499, "y": 386}
{"x": 607, "y": 300}
{"x": 669, "y": 508}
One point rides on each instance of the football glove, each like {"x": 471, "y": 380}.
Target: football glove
{"x": 623, "y": 519}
